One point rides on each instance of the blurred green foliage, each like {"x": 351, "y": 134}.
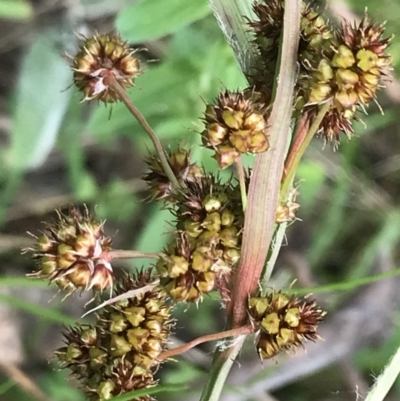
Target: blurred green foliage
{"x": 20, "y": 10}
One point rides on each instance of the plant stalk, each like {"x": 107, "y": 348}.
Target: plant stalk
{"x": 299, "y": 147}
{"x": 113, "y": 83}
{"x": 242, "y": 182}
{"x": 122, "y": 254}
{"x": 209, "y": 337}
{"x": 263, "y": 194}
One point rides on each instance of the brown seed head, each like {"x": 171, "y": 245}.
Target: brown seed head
{"x": 235, "y": 124}
{"x": 188, "y": 271}
{"x": 100, "y": 58}
{"x": 283, "y": 322}
{"x": 72, "y": 253}
{"x": 120, "y": 353}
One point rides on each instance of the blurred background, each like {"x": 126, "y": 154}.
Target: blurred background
{"x": 56, "y": 151}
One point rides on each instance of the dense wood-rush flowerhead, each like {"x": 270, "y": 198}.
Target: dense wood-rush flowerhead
{"x": 235, "y": 124}
{"x": 189, "y": 271}
{"x": 158, "y": 182}
{"x": 100, "y": 58}
{"x": 119, "y": 354}
{"x": 341, "y": 66}
{"x": 283, "y": 322}
{"x": 71, "y": 252}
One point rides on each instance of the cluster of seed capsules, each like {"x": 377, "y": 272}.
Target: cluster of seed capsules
{"x": 122, "y": 351}
{"x": 342, "y": 65}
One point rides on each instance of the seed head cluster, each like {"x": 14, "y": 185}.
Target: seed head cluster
{"x": 71, "y": 252}
{"x": 209, "y": 220}
{"x": 119, "y": 354}
{"x": 100, "y": 58}
{"x": 283, "y": 322}
{"x": 343, "y": 66}
{"x": 235, "y": 124}
{"x": 124, "y": 348}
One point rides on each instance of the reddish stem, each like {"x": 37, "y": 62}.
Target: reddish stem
{"x": 122, "y": 254}
{"x": 247, "y": 329}
{"x": 298, "y": 138}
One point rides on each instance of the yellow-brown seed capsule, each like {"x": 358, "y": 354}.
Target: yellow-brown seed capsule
{"x": 72, "y": 253}
{"x": 235, "y": 124}
{"x": 101, "y": 58}
{"x": 283, "y": 322}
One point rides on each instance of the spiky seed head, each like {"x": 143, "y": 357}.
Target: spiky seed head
{"x": 100, "y": 58}
{"x": 119, "y": 354}
{"x": 185, "y": 171}
{"x": 235, "y": 124}
{"x": 342, "y": 66}
{"x": 211, "y": 214}
{"x": 283, "y": 322}
{"x": 188, "y": 271}
{"x": 72, "y": 253}
{"x": 139, "y": 327}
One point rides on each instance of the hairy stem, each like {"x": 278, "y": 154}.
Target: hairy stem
{"x": 209, "y": 337}
{"x": 112, "y": 82}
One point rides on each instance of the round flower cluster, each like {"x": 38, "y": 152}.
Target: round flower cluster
{"x": 72, "y": 253}
{"x": 119, "y": 354}
{"x": 342, "y": 66}
{"x": 283, "y": 322}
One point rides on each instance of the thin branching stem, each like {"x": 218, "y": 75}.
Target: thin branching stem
{"x": 298, "y": 150}
{"x": 122, "y": 254}
{"x": 113, "y": 83}
{"x": 247, "y": 329}
{"x": 242, "y": 181}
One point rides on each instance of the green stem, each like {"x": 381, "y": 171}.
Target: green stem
{"x": 113, "y": 83}
{"x": 275, "y": 248}
{"x": 263, "y": 195}
{"x": 221, "y": 366}
{"x": 242, "y": 182}
{"x": 302, "y": 148}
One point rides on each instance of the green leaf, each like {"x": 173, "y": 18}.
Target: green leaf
{"x": 40, "y": 104}
{"x": 345, "y": 285}
{"x": 38, "y": 310}
{"x": 16, "y": 9}
{"x": 152, "y": 19}
{"x": 4, "y": 387}
{"x": 155, "y": 235}
{"x": 312, "y": 177}
{"x": 22, "y": 282}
